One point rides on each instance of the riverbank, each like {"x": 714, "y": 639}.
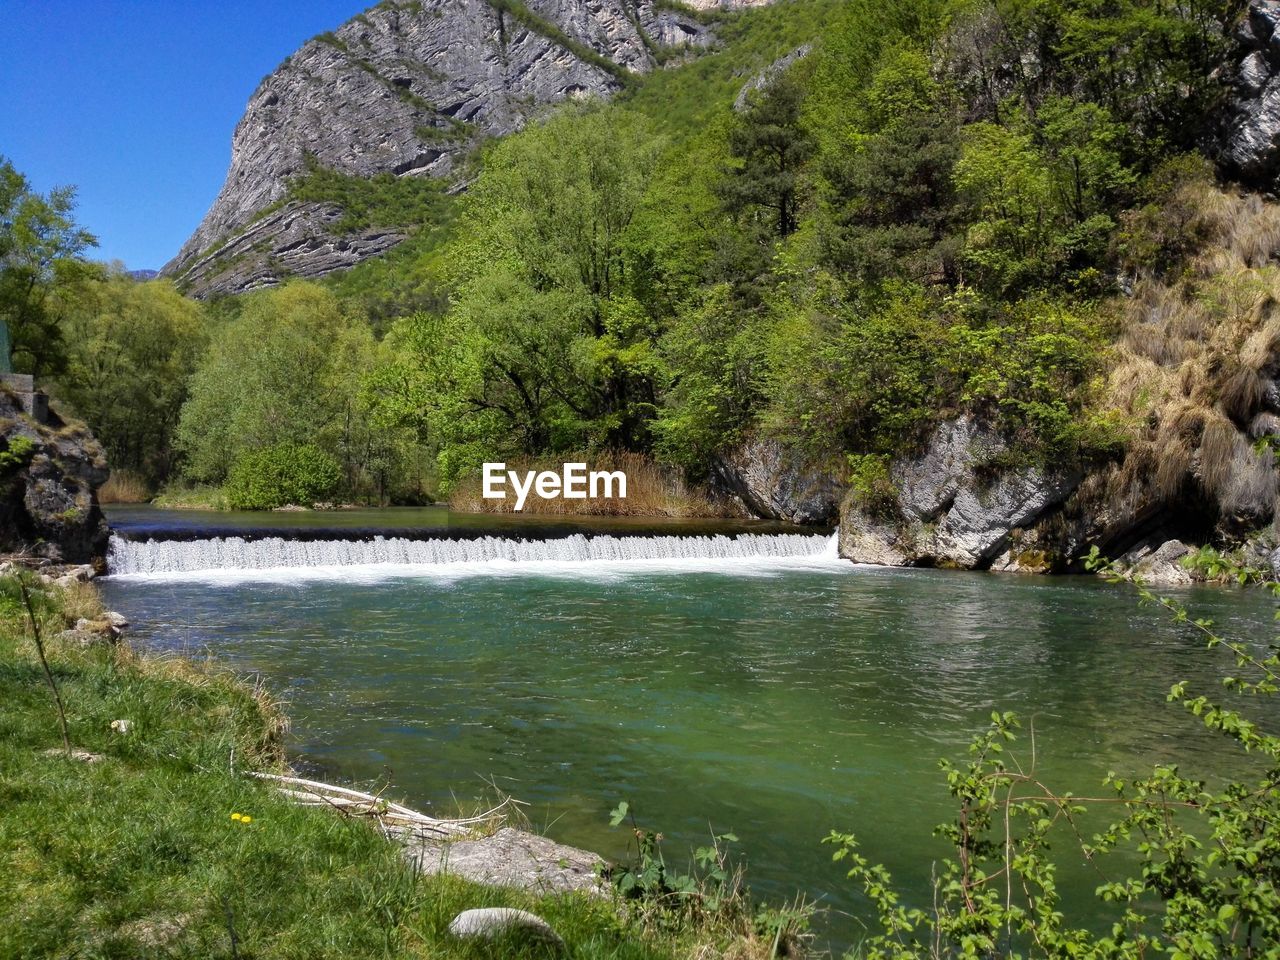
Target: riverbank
{"x": 129, "y": 845}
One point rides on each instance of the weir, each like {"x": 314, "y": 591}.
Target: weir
{"x": 231, "y": 553}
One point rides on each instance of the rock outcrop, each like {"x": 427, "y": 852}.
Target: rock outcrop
{"x": 955, "y": 505}
{"x": 49, "y": 476}
{"x": 406, "y": 88}
{"x": 1159, "y": 564}
{"x": 511, "y": 858}
{"x": 1250, "y": 135}
{"x": 774, "y": 483}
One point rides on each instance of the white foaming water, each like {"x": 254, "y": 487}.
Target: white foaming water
{"x": 274, "y": 558}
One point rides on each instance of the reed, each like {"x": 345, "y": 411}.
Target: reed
{"x": 124, "y": 486}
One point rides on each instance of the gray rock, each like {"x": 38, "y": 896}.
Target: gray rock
{"x": 775, "y": 483}
{"x": 407, "y": 89}
{"x": 48, "y": 506}
{"x": 512, "y": 858}
{"x": 953, "y": 507}
{"x": 489, "y": 922}
{"x": 769, "y": 74}
{"x": 1159, "y": 566}
{"x": 83, "y": 638}
{"x": 1249, "y": 139}
{"x": 117, "y": 620}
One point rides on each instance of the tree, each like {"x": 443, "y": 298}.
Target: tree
{"x": 890, "y": 209}
{"x": 269, "y": 377}
{"x": 557, "y": 353}
{"x": 769, "y": 147}
{"x": 42, "y": 264}
{"x": 132, "y": 349}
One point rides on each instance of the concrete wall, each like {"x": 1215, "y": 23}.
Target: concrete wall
{"x": 23, "y": 386}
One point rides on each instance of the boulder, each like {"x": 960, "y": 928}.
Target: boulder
{"x": 48, "y": 488}
{"x": 511, "y": 858}
{"x": 773, "y": 482}
{"x": 1159, "y": 565}
{"x": 956, "y": 505}
{"x": 489, "y": 922}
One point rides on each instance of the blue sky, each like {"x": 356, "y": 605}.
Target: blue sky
{"x": 134, "y": 102}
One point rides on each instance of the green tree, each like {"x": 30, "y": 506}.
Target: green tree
{"x": 280, "y": 475}
{"x": 542, "y": 278}
{"x": 42, "y": 265}
{"x": 132, "y": 350}
{"x": 890, "y": 200}
{"x": 269, "y": 377}
{"x": 769, "y": 147}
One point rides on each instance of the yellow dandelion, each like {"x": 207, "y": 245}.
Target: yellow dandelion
{"x": 246, "y": 819}
{"x": 236, "y": 816}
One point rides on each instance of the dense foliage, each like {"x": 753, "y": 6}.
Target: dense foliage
{"x": 924, "y": 213}
{"x": 282, "y": 475}
{"x": 42, "y": 264}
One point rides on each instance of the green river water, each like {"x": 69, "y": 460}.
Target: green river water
{"x": 775, "y": 700}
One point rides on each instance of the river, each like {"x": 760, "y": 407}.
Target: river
{"x": 765, "y": 688}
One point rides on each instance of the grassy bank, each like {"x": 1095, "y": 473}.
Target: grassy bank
{"x": 135, "y": 852}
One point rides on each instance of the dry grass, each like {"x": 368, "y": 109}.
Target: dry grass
{"x": 652, "y": 491}
{"x": 1196, "y": 361}
{"x": 124, "y": 486}
{"x": 81, "y": 601}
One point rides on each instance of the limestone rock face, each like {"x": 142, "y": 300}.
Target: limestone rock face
{"x": 1159, "y": 565}
{"x": 406, "y": 88}
{"x": 954, "y": 506}
{"x": 48, "y": 503}
{"x": 1250, "y": 136}
{"x": 774, "y": 483}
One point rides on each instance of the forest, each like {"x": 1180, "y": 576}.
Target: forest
{"x": 940, "y": 207}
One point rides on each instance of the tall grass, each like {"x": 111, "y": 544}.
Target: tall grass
{"x": 124, "y": 486}
{"x": 1194, "y": 365}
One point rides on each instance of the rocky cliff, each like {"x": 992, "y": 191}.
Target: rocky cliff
{"x": 1249, "y": 145}
{"x": 408, "y": 89}
{"x": 49, "y": 475}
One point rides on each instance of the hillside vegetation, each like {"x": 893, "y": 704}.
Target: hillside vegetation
{"x": 941, "y": 207}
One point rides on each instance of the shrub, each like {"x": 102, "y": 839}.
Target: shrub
{"x": 282, "y": 474}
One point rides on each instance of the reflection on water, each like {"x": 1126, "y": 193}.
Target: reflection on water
{"x": 777, "y": 705}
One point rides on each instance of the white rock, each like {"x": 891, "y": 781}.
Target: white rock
{"x": 490, "y": 922}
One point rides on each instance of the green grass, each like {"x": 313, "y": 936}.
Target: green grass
{"x": 137, "y": 854}
{"x": 201, "y": 497}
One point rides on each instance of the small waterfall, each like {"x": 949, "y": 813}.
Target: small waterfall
{"x": 128, "y": 557}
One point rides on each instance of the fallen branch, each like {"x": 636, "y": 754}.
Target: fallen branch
{"x": 351, "y": 802}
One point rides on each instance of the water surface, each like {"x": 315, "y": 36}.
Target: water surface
{"x": 777, "y": 700}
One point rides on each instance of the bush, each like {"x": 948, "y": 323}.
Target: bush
{"x": 283, "y": 474}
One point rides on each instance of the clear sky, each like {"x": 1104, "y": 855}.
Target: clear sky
{"x": 134, "y": 102}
